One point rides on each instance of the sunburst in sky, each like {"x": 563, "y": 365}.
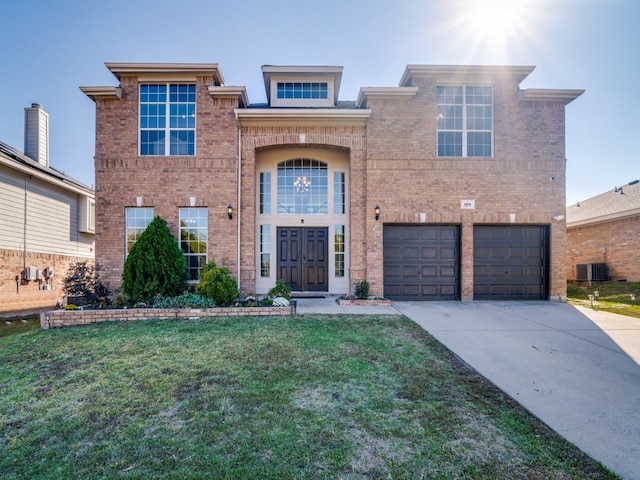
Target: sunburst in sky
{"x": 490, "y": 29}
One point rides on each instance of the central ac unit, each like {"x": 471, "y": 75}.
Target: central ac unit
{"x": 592, "y": 272}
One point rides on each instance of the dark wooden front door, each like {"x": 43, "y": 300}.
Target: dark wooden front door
{"x": 303, "y": 258}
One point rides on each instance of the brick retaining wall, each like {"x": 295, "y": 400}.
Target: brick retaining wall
{"x": 69, "y": 318}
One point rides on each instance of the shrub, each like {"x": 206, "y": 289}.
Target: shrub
{"x": 155, "y": 265}
{"x": 185, "y": 300}
{"x": 83, "y": 280}
{"x": 217, "y": 284}
{"x": 362, "y": 290}
{"x": 281, "y": 289}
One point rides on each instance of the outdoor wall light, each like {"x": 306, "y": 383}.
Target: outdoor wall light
{"x": 230, "y": 211}
{"x": 377, "y": 212}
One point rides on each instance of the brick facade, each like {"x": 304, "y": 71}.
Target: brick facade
{"x": 389, "y": 141}
{"x": 17, "y": 294}
{"x": 616, "y": 243}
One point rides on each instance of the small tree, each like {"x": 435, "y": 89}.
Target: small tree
{"x": 362, "y": 290}
{"x": 83, "y": 280}
{"x": 218, "y": 284}
{"x": 155, "y": 265}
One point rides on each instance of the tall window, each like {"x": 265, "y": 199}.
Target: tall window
{"x": 339, "y": 196}
{"x": 265, "y": 192}
{"x": 167, "y": 119}
{"x": 137, "y": 220}
{"x": 265, "y": 249}
{"x": 465, "y": 121}
{"x": 193, "y": 239}
{"x": 302, "y": 187}
{"x": 338, "y": 245}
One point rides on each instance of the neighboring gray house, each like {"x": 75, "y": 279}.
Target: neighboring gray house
{"x": 47, "y": 221}
{"x": 603, "y": 236}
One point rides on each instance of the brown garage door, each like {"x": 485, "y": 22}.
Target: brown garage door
{"x": 421, "y": 262}
{"x": 510, "y": 262}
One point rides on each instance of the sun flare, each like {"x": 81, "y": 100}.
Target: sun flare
{"x": 491, "y": 28}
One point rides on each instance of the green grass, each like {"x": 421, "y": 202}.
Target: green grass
{"x": 614, "y": 297}
{"x": 15, "y": 325}
{"x": 336, "y": 397}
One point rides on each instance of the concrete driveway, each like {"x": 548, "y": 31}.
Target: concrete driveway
{"x": 574, "y": 368}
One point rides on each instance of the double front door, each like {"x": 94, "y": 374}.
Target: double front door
{"x": 303, "y": 258}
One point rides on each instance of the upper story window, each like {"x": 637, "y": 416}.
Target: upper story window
{"x": 167, "y": 119}
{"x": 303, "y": 90}
{"x": 465, "y": 121}
{"x": 303, "y": 187}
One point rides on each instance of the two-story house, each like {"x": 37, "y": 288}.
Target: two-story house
{"x": 450, "y": 186}
{"x": 47, "y": 221}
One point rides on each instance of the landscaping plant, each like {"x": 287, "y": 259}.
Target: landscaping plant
{"x": 217, "y": 284}
{"x": 155, "y": 265}
{"x": 280, "y": 289}
{"x": 83, "y": 280}
{"x": 362, "y": 290}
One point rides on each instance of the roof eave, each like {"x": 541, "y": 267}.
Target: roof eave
{"x": 464, "y": 73}
{"x": 102, "y": 93}
{"x": 549, "y": 95}
{"x": 239, "y": 93}
{"x": 302, "y": 116}
{"x": 384, "y": 92}
{"x": 187, "y": 70}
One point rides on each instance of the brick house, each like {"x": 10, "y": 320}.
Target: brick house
{"x": 603, "y": 236}
{"x": 47, "y": 221}
{"x": 450, "y": 186}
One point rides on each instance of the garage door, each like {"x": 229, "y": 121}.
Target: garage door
{"x": 510, "y": 262}
{"x": 421, "y": 262}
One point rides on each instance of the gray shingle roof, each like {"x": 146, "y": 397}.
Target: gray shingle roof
{"x": 19, "y": 157}
{"x": 609, "y": 205}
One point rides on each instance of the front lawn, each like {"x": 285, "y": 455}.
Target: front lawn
{"x": 336, "y": 397}
{"x": 615, "y": 297}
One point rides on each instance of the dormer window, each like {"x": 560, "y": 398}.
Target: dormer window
{"x": 302, "y": 86}
{"x": 303, "y": 90}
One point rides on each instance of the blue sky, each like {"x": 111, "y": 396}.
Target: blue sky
{"x": 50, "y": 48}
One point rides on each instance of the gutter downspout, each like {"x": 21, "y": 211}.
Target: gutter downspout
{"x": 239, "y": 187}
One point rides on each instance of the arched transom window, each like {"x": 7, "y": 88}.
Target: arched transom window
{"x": 303, "y": 187}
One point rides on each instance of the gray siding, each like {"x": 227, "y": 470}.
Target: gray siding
{"x": 51, "y": 217}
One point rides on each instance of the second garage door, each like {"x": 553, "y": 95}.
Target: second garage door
{"x": 510, "y": 262}
{"x": 421, "y": 262}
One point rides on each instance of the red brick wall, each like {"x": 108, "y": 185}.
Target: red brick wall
{"x": 620, "y": 240}
{"x": 22, "y": 295}
{"x": 393, "y": 163}
{"x": 164, "y": 183}
{"x": 406, "y": 178}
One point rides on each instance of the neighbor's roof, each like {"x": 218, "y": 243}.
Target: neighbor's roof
{"x": 16, "y": 159}
{"x": 619, "y": 202}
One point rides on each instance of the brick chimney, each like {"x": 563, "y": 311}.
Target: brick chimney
{"x": 36, "y": 134}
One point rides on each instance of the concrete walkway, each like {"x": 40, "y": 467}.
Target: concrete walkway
{"x": 576, "y": 369}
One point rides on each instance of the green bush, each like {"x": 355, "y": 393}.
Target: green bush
{"x": 155, "y": 265}
{"x": 362, "y": 290}
{"x": 281, "y": 289}
{"x": 186, "y": 300}
{"x": 217, "y": 284}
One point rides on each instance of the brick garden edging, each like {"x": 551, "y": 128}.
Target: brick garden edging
{"x": 69, "y": 318}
